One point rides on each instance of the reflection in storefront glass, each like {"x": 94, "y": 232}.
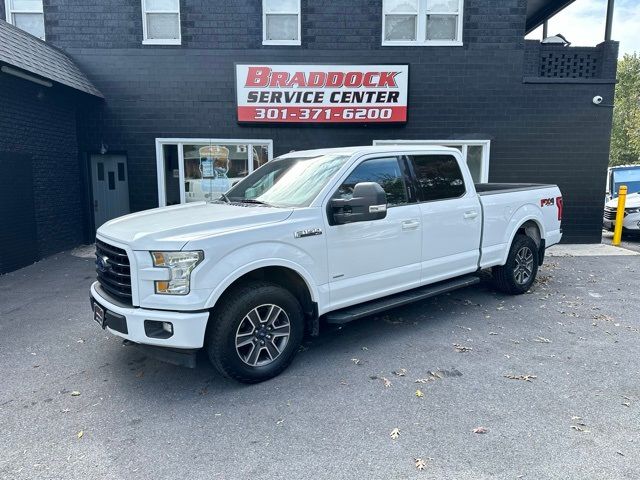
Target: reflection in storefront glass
{"x": 210, "y": 170}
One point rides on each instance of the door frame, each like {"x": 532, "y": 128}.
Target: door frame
{"x": 181, "y": 141}
{"x": 465, "y": 144}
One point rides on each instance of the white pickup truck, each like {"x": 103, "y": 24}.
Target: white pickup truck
{"x": 311, "y": 237}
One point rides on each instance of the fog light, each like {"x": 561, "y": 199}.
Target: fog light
{"x": 158, "y": 329}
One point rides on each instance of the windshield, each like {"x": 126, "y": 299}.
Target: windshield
{"x": 289, "y": 182}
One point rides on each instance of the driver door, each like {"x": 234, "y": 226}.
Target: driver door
{"x": 373, "y": 258}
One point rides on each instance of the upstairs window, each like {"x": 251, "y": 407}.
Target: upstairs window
{"x": 422, "y": 22}
{"x": 26, "y": 15}
{"x": 281, "y": 22}
{"x": 161, "y": 22}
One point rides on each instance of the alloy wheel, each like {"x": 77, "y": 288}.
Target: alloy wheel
{"x": 523, "y": 269}
{"x": 263, "y": 335}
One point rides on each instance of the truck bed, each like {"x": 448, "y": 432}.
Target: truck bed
{"x": 493, "y": 188}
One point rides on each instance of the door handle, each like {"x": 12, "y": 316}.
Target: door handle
{"x": 470, "y": 214}
{"x": 410, "y": 224}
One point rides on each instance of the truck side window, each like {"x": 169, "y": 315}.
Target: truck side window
{"x": 439, "y": 177}
{"x": 384, "y": 171}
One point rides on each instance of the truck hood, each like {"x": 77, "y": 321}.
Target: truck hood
{"x": 632, "y": 201}
{"x": 170, "y": 228}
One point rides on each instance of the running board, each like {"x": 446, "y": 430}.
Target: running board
{"x": 372, "y": 307}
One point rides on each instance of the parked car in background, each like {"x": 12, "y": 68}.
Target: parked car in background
{"x": 628, "y": 175}
{"x": 631, "y": 222}
{"x": 332, "y": 235}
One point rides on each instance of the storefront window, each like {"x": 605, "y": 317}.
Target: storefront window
{"x": 193, "y": 171}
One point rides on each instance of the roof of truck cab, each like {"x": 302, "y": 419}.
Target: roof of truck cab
{"x": 366, "y": 149}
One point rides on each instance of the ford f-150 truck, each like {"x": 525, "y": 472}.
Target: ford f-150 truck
{"x": 311, "y": 237}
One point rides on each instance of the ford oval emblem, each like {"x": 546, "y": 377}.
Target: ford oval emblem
{"x": 102, "y": 263}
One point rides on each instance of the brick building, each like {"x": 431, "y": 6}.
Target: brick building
{"x": 520, "y": 110}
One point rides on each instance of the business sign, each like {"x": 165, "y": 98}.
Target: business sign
{"x": 322, "y": 93}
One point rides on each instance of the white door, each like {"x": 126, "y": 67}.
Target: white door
{"x": 373, "y": 258}
{"x": 110, "y": 184}
{"x": 451, "y": 218}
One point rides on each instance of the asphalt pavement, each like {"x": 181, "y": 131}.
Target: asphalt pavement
{"x": 551, "y": 377}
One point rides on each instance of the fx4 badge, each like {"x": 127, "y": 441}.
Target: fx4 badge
{"x": 546, "y": 202}
{"x": 309, "y": 232}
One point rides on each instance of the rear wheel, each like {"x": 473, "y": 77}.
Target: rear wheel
{"x": 256, "y": 331}
{"x": 519, "y": 272}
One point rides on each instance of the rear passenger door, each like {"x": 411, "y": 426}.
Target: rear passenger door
{"x": 373, "y": 258}
{"x": 450, "y": 215}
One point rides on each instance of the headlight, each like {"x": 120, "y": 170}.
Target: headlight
{"x": 180, "y": 265}
{"x": 632, "y": 210}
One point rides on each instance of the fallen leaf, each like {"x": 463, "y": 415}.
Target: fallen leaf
{"x": 493, "y": 333}
{"x": 420, "y": 464}
{"x": 364, "y": 349}
{"x": 419, "y": 393}
{"x": 526, "y": 378}
{"x": 461, "y": 348}
{"x": 357, "y": 361}
{"x": 580, "y": 428}
{"x": 395, "y": 433}
{"x": 423, "y": 380}
{"x": 280, "y": 422}
{"x": 385, "y": 382}
{"x": 542, "y": 340}
{"x": 401, "y": 373}
{"x": 620, "y": 453}
{"x": 80, "y": 434}
{"x": 75, "y": 393}
{"x": 480, "y": 430}
{"x": 626, "y": 404}
{"x": 140, "y": 374}
{"x": 65, "y": 410}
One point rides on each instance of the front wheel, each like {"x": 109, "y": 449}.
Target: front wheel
{"x": 519, "y": 272}
{"x": 255, "y": 332}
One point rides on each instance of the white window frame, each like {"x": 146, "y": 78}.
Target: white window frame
{"x": 465, "y": 144}
{"x": 181, "y": 142}
{"x": 9, "y": 12}
{"x": 281, "y": 42}
{"x": 421, "y": 28}
{"x": 160, "y": 41}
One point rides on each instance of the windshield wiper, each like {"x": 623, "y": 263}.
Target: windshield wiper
{"x": 253, "y": 200}
{"x": 225, "y": 198}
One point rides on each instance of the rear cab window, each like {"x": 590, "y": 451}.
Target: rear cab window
{"x": 438, "y": 177}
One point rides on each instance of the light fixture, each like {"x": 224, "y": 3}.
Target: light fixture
{"x": 25, "y": 76}
{"x": 103, "y": 148}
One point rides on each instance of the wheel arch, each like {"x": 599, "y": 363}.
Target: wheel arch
{"x": 528, "y": 221}
{"x": 281, "y": 272}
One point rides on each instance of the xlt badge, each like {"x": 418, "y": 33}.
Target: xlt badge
{"x": 309, "y": 232}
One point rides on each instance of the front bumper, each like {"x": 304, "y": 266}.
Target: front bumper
{"x": 188, "y": 327}
{"x": 631, "y": 223}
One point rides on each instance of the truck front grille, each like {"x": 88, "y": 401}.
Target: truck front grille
{"x": 610, "y": 213}
{"x": 114, "y": 272}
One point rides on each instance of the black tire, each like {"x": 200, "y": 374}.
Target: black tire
{"x": 516, "y": 276}
{"x": 238, "y": 313}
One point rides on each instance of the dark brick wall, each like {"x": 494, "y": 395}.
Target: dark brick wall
{"x": 539, "y": 132}
{"x": 40, "y": 122}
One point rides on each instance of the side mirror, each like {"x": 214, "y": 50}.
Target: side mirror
{"x": 369, "y": 202}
